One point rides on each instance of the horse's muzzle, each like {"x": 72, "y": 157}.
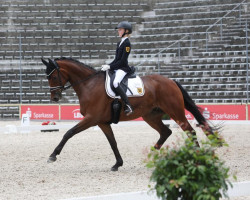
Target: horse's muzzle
{"x": 56, "y": 97}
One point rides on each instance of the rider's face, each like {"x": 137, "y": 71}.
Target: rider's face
{"x": 121, "y": 31}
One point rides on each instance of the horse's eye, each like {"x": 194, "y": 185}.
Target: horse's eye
{"x": 54, "y": 78}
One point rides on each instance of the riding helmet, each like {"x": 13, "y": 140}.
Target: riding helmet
{"x": 126, "y": 25}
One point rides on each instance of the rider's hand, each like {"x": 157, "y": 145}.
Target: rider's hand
{"x": 105, "y": 67}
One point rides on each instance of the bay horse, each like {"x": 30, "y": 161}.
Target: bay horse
{"x": 162, "y": 95}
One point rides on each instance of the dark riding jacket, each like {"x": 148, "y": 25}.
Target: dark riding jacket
{"x": 121, "y": 57}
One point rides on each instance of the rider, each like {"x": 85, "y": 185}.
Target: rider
{"x": 120, "y": 63}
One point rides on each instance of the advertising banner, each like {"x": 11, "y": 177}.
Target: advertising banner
{"x": 248, "y": 111}
{"x": 41, "y": 112}
{"x": 72, "y": 112}
{"x": 138, "y": 119}
{"x": 69, "y": 112}
{"x": 221, "y": 112}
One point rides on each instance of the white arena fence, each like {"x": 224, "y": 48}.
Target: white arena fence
{"x": 239, "y": 189}
{"x": 9, "y": 128}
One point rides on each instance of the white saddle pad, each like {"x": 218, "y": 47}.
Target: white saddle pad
{"x": 134, "y": 84}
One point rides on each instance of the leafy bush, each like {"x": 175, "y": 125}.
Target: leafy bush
{"x": 189, "y": 172}
{"x": 165, "y": 117}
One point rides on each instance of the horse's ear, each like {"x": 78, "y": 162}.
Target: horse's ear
{"x": 51, "y": 62}
{"x": 45, "y": 62}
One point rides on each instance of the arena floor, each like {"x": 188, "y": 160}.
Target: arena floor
{"x": 83, "y": 168}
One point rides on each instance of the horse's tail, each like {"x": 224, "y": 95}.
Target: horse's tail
{"x": 191, "y": 106}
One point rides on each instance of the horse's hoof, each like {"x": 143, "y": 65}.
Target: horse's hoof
{"x": 114, "y": 169}
{"x": 51, "y": 159}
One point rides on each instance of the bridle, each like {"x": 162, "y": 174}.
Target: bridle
{"x": 61, "y": 87}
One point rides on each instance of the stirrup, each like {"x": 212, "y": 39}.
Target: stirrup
{"x": 128, "y": 110}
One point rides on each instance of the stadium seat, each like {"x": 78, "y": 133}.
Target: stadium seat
{"x": 209, "y": 74}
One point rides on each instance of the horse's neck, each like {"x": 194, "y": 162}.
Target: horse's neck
{"x": 77, "y": 72}
{"x": 78, "y": 75}
{"x": 81, "y": 73}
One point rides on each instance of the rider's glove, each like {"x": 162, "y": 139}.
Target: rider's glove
{"x": 105, "y": 67}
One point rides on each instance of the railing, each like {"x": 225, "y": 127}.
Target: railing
{"x": 179, "y": 52}
{"x": 238, "y": 6}
{"x": 220, "y": 20}
{"x": 191, "y": 36}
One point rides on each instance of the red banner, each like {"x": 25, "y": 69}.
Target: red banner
{"x": 139, "y": 119}
{"x": 72, "y": 112}
{"x": 41, "y": 112}
{"x": 248, "y": 112}
{"x": 221, "y": 112}
{"x": 69, "y": 112}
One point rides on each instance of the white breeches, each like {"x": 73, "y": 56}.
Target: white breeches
{"x": 119, "y": 75}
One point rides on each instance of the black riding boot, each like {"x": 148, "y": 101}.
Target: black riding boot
{"x": 127, "y": 108}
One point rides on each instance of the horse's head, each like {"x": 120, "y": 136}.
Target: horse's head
{"x": 56, "y": 79}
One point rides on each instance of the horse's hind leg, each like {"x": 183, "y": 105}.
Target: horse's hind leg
{"x": 178, "y": 115}
{"x": 107, "y": 130}
{"x": 186, "y": 127}
{"x": 154, "y": 119}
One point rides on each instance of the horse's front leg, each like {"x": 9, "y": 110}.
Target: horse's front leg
{"x": 82, "y": 125}
{"x": 107, "y": 130}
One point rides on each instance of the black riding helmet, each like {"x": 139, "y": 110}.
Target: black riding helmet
{"x": 126, "y": 25}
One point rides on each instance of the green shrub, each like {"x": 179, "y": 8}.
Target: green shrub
{"x": 165, "y": 117}
{"x": 189, "y": 172}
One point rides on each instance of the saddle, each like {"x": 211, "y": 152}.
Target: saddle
{"x": 124, "y": 83}
{"x": 131, "y": 84}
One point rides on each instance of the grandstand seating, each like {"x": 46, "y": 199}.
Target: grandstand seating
{"x": 84, "y": 30}
{"x": 222, "y": 68}
{"x": 56, "y": 29}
